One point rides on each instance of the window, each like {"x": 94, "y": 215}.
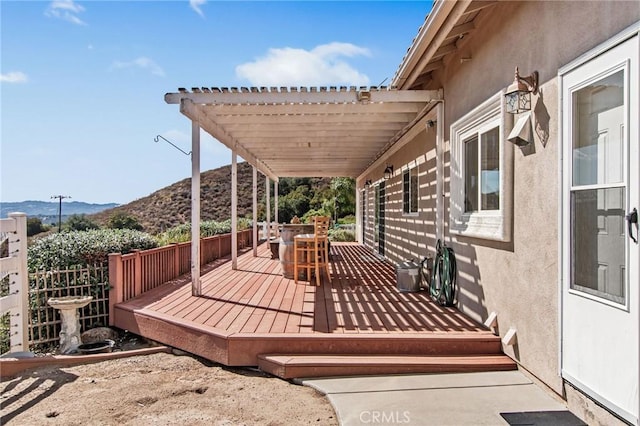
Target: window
{"x": 410, "y": 191}
{"x": 482, "y": 171}
{"x": 481, "y": 183}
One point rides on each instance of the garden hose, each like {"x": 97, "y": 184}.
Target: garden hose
{"x": 443, "y": 279}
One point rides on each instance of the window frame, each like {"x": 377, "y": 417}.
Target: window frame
{"x": 407, "y": 192}
{"x": 485, "y": 224}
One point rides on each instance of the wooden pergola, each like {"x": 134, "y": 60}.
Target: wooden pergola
{"x": 296, "y": 132}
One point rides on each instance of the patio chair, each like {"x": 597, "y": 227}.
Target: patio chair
{"x": 311, "y": 251}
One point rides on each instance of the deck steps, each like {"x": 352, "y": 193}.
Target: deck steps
{"x": 288, "y": 366}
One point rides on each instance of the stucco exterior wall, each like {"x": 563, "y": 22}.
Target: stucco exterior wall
{"x": 518, "y": 279}
{"x": 407, "y": 236}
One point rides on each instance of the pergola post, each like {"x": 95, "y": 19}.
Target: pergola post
{"x": 275, "y": 195}
{"x": 234, "y": 210}
{"x": 267, "y": 183}
{"x": 196, "y": 288}
{"x": 359, "y": 195}
{"x": 255, "y": 212}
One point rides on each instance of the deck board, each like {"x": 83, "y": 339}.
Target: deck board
{"x": 255, "y": 301}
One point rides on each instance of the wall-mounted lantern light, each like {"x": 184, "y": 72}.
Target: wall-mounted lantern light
{"x": 388, "y": 172}
{"x": 518, "y": 96}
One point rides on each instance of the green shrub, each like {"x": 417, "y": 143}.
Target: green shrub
{"x": 308, "y": 216}
{"x": 208, "y": 228}
{"x": 35, "y": 226}
{"x": 73, "y": 248}
{"x": 80, "y": 222}
{"x": 341, "y": 235}
{"x": 347, "y": 220}
{"x": 123, "y": 220}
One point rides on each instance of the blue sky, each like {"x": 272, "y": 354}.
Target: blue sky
{"x": 82, "y": 82}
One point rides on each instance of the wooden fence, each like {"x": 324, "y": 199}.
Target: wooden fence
{"x": 133, "y": 274}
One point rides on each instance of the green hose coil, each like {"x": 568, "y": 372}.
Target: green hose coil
{"x": 443, "y": 278}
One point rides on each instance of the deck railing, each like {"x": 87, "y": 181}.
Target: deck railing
{"x": 133, "y": 274}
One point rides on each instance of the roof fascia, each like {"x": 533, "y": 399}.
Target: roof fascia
{"x": 443, "y": 16}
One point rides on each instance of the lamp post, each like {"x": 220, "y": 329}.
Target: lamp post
{"x": 60, "y": 197}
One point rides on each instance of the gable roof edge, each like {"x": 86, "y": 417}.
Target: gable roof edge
{"x": 441, "y": 14}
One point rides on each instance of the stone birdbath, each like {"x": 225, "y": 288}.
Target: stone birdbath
{"x": 70, "y": 332}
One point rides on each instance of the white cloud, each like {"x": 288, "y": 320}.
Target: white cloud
{"x": 66, "y": 10}
{"x": 195, "y": 5}
{"x": 14, "y": 77}
{"x": 143, "y": 63}
{"x": 323, "y": 65}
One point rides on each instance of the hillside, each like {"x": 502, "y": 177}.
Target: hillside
{"x": 171, "y": 206}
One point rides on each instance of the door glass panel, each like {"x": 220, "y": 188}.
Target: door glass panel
{"x": 598, "y": 129}
{"x": 490, "y": 172}
{"x": 598, "y": 248}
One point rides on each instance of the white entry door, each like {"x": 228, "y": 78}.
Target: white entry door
{"x": 600, "y": 295}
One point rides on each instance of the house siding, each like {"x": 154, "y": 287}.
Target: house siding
{"x": 519, "y": 279}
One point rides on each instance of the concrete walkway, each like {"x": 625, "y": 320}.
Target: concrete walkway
{"x": 440, "y": 399}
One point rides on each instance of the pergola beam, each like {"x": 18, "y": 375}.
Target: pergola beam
{"x": 303, "y": 132}
{"x": 311, "y": 126}
{"x": 298, "y": 109}
{"x": 297, "y": 119}
{"x": 278, "y": 97}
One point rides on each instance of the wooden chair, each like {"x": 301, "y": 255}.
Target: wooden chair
{"x": 311, "y": 251}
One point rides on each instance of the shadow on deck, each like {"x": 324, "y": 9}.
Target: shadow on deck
{"x": 358, "y": 324}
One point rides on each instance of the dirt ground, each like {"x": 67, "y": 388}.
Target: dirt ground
{"x": 159, "y": 389}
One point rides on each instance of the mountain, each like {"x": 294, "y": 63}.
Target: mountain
{"x": 49, "y": 209}
{"x": 171, "y": 206}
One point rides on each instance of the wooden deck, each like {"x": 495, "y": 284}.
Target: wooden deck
{"x": 254, "y": 311}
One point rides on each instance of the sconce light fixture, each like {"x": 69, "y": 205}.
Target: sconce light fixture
{"x": 388, "y": 172}
{"x": 367, "y": 183}
{"x": 518, "y": 96}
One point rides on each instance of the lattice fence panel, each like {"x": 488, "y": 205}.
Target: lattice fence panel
{"x": 44, "y": 321}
